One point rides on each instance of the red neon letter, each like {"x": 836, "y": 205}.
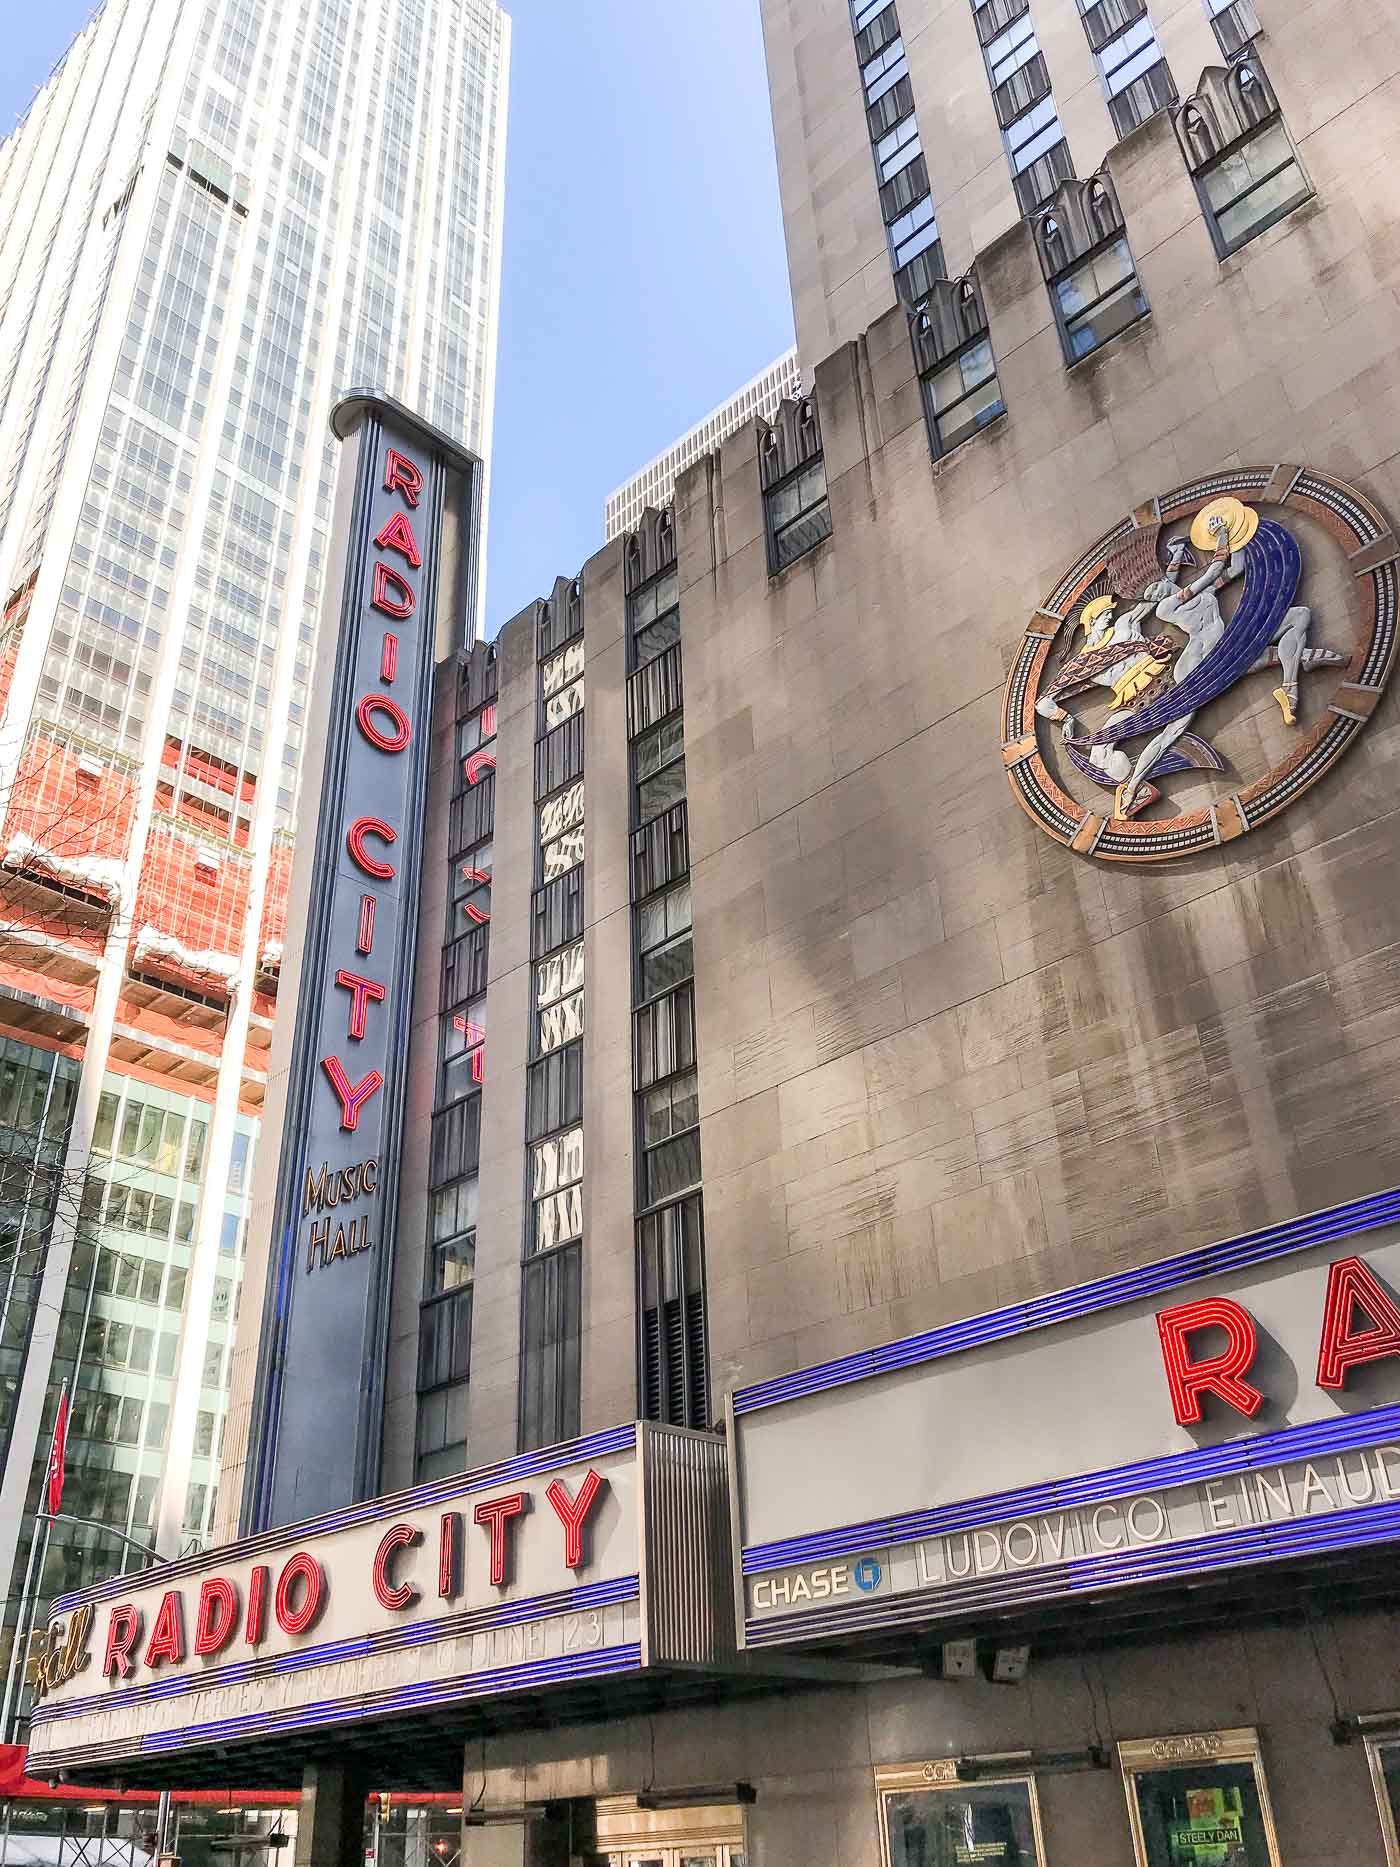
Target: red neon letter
{"x": 217, "y": 1617}
{"x": 401, "y": 476}
{"x": 167, "y": 1641}
{"x": 304, "y": 1568}
{"x": 402, "y": 1536}
{"x": 389, "y": 657}
{"x": 494, "y": 1514}
{"x": 257, "y": 1605}
{"x": 123, "y": 1631}
{"x": 352, "y": 1100}
{"x": 355, "y": 843}
{"x": 364, "y": 941}
{"x": 397, "y": 535}
{"x": 1352, "y": 1286}
{"x": 398, "y": 602}
{"x": 477, "y": 764}
{"x": 381, "y": 703}
{"x": 573, "y": 1513}
{"x": 362, "y": 991}
{"x": 450, "y": 1555}
{"x": 1221, "y": 1374}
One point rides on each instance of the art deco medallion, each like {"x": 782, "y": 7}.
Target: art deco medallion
{"x": 1176, "y": 689}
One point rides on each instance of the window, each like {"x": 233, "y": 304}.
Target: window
{"x": 670, "y": 1139}
{"x": 455, "y": 1144}
{"x": 962, "y": 395}
{"x": 1251, "y": 186}
{"x": 660, "y": 851}
{"x": 452, "y": 1212}
{"x": 1011, "y": 49}
{"x": 470, "y": 904}
{"x": 556, "y": 1174}
{"x": 665, "y": 955}
{"x": 554, "y": 1091}
{"x": 798, "y": 510}
{"x": 664, "y": 1036}
{"x": 550, "y": 1317}
{"x": 911, "y": 234}
{"x": 444, "y": 1365}
{"x": 559, "y": 756}
{"x": 656, "y": 619}
{"x": 1096, "y": 298}
{"x": 925, "y": 1826}
{"x": 556, "y": 914}
{"x": 898, "y": 149}
{"x": 1214, "y": 1808}
{"x": 864, "y": 11}
{"x": 1129, "y": 55}
{"x": 452, "y": 1264}
{"x": 673, "y": 1378}
{"x": 659, "y": 765}
{"x": 884, "y": 71}
{"x": 1032, "y": 134}
{"x": 463, "y": 1050}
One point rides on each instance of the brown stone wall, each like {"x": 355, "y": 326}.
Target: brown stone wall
{"x": 944, "y": 1062}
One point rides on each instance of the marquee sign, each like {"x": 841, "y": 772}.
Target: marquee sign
{"x": 1234, "y": 1406}
{"x": 524, "y": 1577}
{"x": 1112, "y": 737}
{"x": 316, "y": 1425}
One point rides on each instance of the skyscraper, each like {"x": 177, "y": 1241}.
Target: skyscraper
{"x": 214, "y": 219}
{"x": 653, "y": 484}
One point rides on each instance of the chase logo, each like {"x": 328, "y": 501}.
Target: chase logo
{"x": 866, "y": 1575}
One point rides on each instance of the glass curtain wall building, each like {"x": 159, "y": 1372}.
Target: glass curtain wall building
{"x": 215, "y": 218}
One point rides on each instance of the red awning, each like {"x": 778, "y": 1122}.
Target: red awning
{"x": 15, "y": 1784}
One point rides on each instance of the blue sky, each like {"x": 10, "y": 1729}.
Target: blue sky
{"x": 644, "y": 269}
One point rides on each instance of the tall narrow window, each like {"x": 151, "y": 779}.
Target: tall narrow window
{"x": 1088, "y": 267}
{"x": 793, "y": 471}
{"x": 673, "y": 1351}
{"x": 1246, "y": 170}
{"x": 957, "y": 370}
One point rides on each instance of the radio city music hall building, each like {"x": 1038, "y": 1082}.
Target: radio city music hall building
{"x": 831, "y": 1286}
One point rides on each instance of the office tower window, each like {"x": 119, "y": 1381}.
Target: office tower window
{"x": 957, "y": 370}
{"x": 550, "y": 1326}
{"x": 665, "y": 950}
{"x": 1088, "y": 267}
{"x": 1235, "y": 23}
{"x": 673, "y": 1351}
{"x": 659, "y": 767}
{"x": 1241, "y": 156}
{"x": 797, "y": 510}
{"x": 658, "y": 619}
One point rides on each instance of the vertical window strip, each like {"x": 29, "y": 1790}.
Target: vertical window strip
{"x": 901, "y": 171}
{"x": 551, "y": 1284}
{"x": 672, "y": 1349}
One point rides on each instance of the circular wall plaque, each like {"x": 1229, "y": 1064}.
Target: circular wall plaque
{"x": 1175, "y": 625}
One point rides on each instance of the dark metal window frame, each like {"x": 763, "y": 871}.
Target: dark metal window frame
{"x": 1223, "y": 247}
{"x": 943, "y": 448}
{"x": 643, "y": 953}
{"x": 672, "y": 719}
{"x": 807, "y": 514}
{"x": 650, "y": 1151}
{"x": 1068, "y": 323}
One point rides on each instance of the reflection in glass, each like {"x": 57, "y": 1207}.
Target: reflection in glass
{"x": 970, "y": 1823}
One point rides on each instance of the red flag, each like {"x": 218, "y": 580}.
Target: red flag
{"x": 58, "y": 1453}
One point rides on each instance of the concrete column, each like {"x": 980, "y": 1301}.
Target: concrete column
{"x": 331, "y": 1819}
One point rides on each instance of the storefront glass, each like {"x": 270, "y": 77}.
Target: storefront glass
{"x": 1199, "y": 1801}
{"x": 939, "y": 1823}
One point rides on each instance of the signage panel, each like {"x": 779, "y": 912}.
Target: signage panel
{"x": 521, "y": 1578}
{"x": 1237, "y": 1405}
{"x": 316, "y": 1424}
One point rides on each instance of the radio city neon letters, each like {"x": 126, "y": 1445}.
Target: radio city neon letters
{"x": 226, "y": 1615}
{"x": 1360, "y": 1324}
{"x": 384, "y": 724}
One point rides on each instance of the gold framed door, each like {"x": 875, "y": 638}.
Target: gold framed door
{"x": 1199, "y": 1799}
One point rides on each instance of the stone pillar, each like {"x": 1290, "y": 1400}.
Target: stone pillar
{"x": 331, "y": 1819}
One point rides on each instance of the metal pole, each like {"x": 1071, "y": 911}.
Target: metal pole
{"x": 19, "y": 1654}
{"x": 162, "y": 1822}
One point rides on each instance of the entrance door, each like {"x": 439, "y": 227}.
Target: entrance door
{"x": 720, "y": 1855}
